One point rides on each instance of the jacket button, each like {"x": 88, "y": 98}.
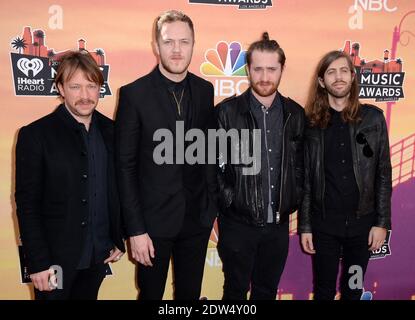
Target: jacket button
{"x": 84, "y": 201}
{"x": 83, "y": 224}
{"x": 84, "y": 176}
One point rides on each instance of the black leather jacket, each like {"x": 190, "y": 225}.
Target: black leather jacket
{"x": 373, "y": 174}
{"x": 241, "y": 195}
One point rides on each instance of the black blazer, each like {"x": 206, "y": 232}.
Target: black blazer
{"x": 51, "y": 196}
{"x": 152, "y": 197}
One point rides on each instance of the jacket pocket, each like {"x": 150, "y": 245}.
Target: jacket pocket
{"x": 369, "y": 130}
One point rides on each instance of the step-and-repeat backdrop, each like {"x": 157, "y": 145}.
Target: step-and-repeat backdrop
{"x": 378, "y": 34}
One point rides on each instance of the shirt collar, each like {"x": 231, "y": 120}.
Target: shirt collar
{"x": 172, "y": 85}
{"x": 73, "y": 122}
{"x": 255, "y": 104}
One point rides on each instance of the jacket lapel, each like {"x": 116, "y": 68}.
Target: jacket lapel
{"x": 163, "y": 100}
{"x": 243, "y": 102}
{"x": 71, "y": 124}
{"x": 106, "y": 131}
{"x": 195, "y": 102}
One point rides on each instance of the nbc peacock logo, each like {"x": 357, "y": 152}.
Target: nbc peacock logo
{"x": 226, "y": 68}
{"x": 227, "y": 60}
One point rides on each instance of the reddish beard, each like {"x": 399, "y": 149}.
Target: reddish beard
{"x": 265, "y": 88}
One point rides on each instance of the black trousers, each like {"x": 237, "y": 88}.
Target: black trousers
{"x": 329, "y": 249}
{"x": 188, "y": 253}
{"x": 77, "y": 285}
{"x": 252, "y": 257}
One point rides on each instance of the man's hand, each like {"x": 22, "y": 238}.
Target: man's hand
{"x": 115, "y": 255}
{"x": 142, "y": 249}
{"x": 41, "y": 280}
{"x": 377, "y": 237}
{"x": 307, "y": 243}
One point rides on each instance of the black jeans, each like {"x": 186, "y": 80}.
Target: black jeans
{"x": 329, "y": 249}
{"x": 252, "y": 257}
{"x": 77, "y": 285}
{"x": 188, "y": 253}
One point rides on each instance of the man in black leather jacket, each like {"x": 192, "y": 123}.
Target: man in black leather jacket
{"x": 346, "y": 209}
{"x": 255, "y": 207}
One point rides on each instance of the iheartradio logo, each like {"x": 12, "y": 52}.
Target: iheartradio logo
{"x": 25, "y": 65}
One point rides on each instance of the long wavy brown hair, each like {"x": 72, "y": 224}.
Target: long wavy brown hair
{"x": 317, "y": 106}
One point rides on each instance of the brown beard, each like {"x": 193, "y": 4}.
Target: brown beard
{"x": 269, "y": 91}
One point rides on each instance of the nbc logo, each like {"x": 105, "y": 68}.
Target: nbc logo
{"x": 226, "y": 60}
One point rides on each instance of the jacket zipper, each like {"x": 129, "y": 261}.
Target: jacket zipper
{"x": 355, "y": 164}
{"x": 255, "y": 180}
{"x": 278, "y": 216}
{"x": 323, "y": 182}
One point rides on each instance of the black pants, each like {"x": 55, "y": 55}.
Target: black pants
{"x": 77, "y": 285}
{"x": 188, "y": 253}
{"x": 329, "y": 249}
{"x": 252, "y": 256}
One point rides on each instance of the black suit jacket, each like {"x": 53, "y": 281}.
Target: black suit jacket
{"x": 51, "y": 196}
{"x": 152, "y": 195}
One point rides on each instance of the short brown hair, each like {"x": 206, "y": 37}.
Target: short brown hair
{"x": 78, "y": 60}
{"x": 317, "y": 106}
{"x": 265, "y": 44}
{"x": 169, "y": 17}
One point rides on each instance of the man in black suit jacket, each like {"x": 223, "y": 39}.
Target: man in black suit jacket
{"x": 66, "y": 196}
{"x": 168, "y": 208}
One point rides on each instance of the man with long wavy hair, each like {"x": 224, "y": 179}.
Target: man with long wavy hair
{"x": 346, "y": 209}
